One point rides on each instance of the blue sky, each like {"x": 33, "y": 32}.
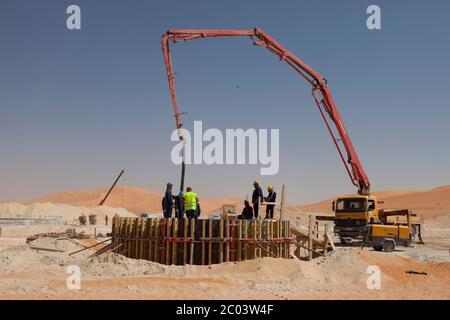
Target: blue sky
{"x": 78, "y": 106}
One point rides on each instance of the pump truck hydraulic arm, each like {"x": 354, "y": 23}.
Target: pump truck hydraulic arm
{"x": 320, "y": 91}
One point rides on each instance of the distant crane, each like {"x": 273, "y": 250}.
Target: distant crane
{"x": 112, "y": 187}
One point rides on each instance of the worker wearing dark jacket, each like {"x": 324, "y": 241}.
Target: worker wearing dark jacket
{"x": 257, "y": 197}
{"x": 167, "y": 201}
{"x": 272, "y": 197}
{"x": 247, "y": 212}
{"x": 179, "y": 205}
{"x": 191, "y": 206}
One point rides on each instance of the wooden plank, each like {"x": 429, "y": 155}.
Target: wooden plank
{"x": 267, "y": 236}
{"x": 123, "y": 234}
{"x": 191, "y": 256}
{"x": 310, "y": 237}
{"x": 220, "y": 243}
{"x": 210, "y": 242}
{"x": 131, "y": 238}
{"x": 238, "y": 242}
{"x": 270, "y": 235}
{"x": 174, "y": 244}
{"x": 185, "y": 235}
{"x": 137, "y": 227}
{"x": 92, "y": 246}
{"x": 203, "y": 240}
{"x": 279, "y": 235}
{"x": 260, "y": 236}
{"x": 297, "y": 248}
{"x": 118, "y": 233}
{"x": 150, "y": 242}
{"x": 289, "y": 236}
{"x": 156, "y": 243}
{"x": 227, "y": 244}
{"x": 159, "y": 243}
{"x": 287, "y": 244}
{"x": 167, "y": 243}
{"x": 142, "y": 251}
{"x": 330, "y": 240}
{"x": 245, "y": 239}
{"x": 129, "y": 235}
{"x": 255, "y": 248}
{"x": 325, "y": 240}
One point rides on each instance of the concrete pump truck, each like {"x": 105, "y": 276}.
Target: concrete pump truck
{"x": 355, "y": 216}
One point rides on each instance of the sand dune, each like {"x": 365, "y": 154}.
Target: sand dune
{"x": 135, "y": 200}
{"x": 429, "y": 203}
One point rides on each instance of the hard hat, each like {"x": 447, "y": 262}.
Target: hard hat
{"x": 169, "y": 184}
{"x": 255, "y": 182}
{"x": 269, "y": 187}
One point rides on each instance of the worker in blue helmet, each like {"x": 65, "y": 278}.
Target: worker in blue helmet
{"x": 167, "y": 201}
{"x": 179, "y": 206}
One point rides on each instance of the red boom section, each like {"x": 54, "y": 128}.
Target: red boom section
{"x": 321, "y": 94}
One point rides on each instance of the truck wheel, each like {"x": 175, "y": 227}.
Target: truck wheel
{"x": 388, "y": 246}
{"x": 344, "y": 242}
{"x": 378, "y": 248}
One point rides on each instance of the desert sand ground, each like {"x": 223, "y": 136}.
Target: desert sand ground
{"x": 26, "y": 273}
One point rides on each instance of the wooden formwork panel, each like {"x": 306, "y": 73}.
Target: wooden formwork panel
{"x": 202, "y": 241}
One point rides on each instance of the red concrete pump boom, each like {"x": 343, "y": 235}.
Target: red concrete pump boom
{"x": 321, "y": 94}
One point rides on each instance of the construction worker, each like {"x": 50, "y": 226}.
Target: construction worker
{"x": 106, "y": 219}
{"x": 179, "y": 207}
{"x": 190, "y": 203}
{"x": 272, "y": 197}
{"x": 257, "y": 197}
{"x": 247, "y": 212}
{"x": 167, "y": 201}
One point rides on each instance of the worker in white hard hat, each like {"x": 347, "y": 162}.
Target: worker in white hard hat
{"x": 272, "y": 197}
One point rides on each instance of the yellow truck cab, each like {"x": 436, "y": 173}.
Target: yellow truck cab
{"x": 353, "y": 214}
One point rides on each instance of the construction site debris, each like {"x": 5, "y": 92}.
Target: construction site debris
{"x": 90, "y": 247}
{"x": 422, "y": 273}
{"x": 70, "y": 233}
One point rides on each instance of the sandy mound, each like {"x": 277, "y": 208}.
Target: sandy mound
{"x": 115, "y": 265}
